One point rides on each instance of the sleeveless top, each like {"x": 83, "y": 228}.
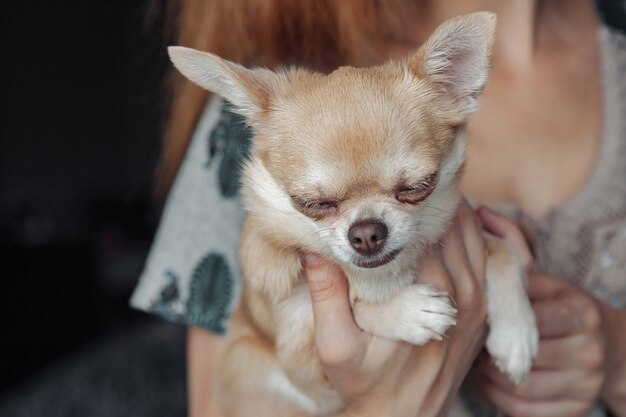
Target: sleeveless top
{"x": 583, "y": 238}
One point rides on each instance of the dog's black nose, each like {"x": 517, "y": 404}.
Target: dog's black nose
{"x": 368, "y": 237}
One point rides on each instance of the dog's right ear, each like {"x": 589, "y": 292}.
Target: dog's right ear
{"x": 456, "y": 59}
{"x": 248, "y": 90}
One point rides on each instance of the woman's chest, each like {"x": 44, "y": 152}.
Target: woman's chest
{"x": 554, "y": 155}
{"x": 534, "y": 145}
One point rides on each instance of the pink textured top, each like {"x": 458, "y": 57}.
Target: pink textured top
{"x": 583, "y": 239}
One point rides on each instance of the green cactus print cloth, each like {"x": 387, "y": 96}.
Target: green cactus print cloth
{"x": 192, "y": 274}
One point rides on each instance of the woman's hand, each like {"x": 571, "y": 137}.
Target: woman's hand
{"x": 580, "y": 357}
{"x": 379, "y": 377}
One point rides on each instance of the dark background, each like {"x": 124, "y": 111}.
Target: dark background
{"x": 81, "y": 108}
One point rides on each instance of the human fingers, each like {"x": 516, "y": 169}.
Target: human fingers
{"x": 459, "y": 260}
{"x": 472, "y": 233}
{"x": 433, "y": 271}
{"x": 337, "y": 337}
{"x": 538, "y": 385}
{"x": 542, "y": 286}
{"x": 504, "y": 228}
{"x": 469, "y": 288}
{"x": 557, "y": 317}
{"x": 543, "y": 385}
{"x": 563, "y": 308}
{"x": 518, "y": 407}
{"x": 574, "y": 351}
{"x": 468, "y": 296}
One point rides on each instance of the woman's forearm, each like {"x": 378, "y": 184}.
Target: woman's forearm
{"x": 614, "y": 392}
{"x": 203, "y": 353}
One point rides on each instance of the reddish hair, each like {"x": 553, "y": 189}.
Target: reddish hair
{"x": 319, "y": 34}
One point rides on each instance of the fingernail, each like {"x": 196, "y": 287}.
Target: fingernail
{"x": 311, "y": 259}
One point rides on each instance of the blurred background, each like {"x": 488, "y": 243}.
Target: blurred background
{"x": 81, "y": 108}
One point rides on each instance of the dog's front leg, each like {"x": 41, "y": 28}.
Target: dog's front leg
{"x": 513, "y": 338}
{"x": 415, "y": 315}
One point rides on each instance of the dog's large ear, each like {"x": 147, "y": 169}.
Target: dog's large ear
{"x": 456, "y": 58}
{"x": 248, "y": 90}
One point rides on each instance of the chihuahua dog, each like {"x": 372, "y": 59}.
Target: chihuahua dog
{"x": 360, "y": 166}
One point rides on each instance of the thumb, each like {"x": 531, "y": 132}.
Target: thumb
{"x": 504, "y": 228}
{"x": 335, "y": 328}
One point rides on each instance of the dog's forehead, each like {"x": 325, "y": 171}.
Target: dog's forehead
{"x": 364, "y": 116}
{"x": 355, "y": 108}
{"x": 357, "y": 128}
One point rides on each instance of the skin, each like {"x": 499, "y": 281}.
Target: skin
{"x": 577, "y": 360}
{"x": 580, "y": 359}
{"x": 203, "y": 354}
{"x": 546, "y": 58}
{"x": 545, "y": 92}
{"x": 378, "y": 377}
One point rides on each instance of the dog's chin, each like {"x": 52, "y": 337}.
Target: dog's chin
{"x": 376, "y": 261}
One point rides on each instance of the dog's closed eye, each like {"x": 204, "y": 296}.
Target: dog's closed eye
{"x": 418, "y": 192}
{"x": 315, "y": 209}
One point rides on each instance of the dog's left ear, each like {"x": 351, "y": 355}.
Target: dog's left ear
{"x": 248, "y": 90}
{"x": 456, "y": 58}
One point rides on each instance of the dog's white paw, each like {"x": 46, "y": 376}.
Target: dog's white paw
{"x": 513, "y": 342}
{"x": 425, "y": 314}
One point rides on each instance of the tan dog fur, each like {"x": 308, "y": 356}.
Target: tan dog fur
{"x": 333, "y": 150}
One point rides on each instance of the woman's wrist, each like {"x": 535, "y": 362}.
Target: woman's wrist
{"x": 614, "y": 390}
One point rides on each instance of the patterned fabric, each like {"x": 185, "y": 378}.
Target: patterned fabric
{"x": 230, "y": 139}
{"x": 192, "y": 274}
{"x": 210, "y": 293}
